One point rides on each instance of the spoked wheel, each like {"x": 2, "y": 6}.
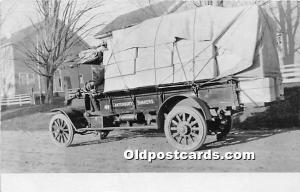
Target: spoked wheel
{"x": 61, "y": 130}
{"x": 185, "y": 128}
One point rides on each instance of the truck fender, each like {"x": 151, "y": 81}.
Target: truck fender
{"x": 75, "y": 116}
{"x": 181, "y": 100}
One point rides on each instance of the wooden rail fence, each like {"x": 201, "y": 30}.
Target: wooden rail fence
{"x": 290, "y": 74}
{"x": 20, "y": 100}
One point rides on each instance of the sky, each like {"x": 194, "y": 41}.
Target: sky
{"x": 18, "y": 13}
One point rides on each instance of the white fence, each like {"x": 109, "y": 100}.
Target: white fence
{"x": 290, "y": 74}
{"x": 20, "y": 100}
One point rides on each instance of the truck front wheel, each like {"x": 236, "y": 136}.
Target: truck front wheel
{"x": 185, "y": 128}
{"x": 61, "y": 130}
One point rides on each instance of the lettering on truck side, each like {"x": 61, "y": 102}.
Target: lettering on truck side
{"x": 124, "y": 104}
{"x": 145, "y": 102}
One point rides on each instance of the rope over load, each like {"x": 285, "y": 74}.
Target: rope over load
{"x": 202, "y": 44}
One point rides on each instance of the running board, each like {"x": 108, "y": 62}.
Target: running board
{"x": 114, "y": 128}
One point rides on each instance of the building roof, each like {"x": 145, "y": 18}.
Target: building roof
{"x": 27, "y": 33}
{"x": 148, "y": 12}
{"x": 22, "y": 34}
{"x": 137, "y": 16}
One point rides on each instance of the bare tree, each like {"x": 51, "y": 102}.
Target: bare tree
{"x": 3, "y": 15}
{"x": 288, "y": 21}
{"x": 60, "y": 30}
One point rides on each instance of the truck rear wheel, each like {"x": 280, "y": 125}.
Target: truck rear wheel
{"x": 185, "y": 128}
{"x": 61, "y": 130}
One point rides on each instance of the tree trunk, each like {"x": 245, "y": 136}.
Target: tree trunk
{"x": 49, "y": 90}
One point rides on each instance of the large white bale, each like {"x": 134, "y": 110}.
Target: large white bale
{"x": 200, "y": 44}
{"x": 154, "y": 57}
{"x": 126, "y": 55}
{"x": 185, "y": 50}
{"x": 258, "y": 91}
{"x": 121, "y": 68}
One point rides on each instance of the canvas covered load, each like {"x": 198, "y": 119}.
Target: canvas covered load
{"x": 199, "y": 44}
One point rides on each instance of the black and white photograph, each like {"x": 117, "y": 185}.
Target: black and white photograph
{"x": 150, "y": 86}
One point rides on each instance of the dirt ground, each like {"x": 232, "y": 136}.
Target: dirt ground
{"x": 27, "y": 147}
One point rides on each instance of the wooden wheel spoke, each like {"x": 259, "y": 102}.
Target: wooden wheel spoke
{"x": 65, "y": 127}
{"x": 62, "y": 137}
{"x": 56, "y": 123}
{"x": 54, "y": 128}
{"x": 175, "y": 134}
{"x": 183, "y": 116}
{"x": 180, "y": 139}
{"x": 59, "y": 138}
{"x": 191, "y": 138}
{"x": 193, "y": 123}
{"x": 195, "y": 128}
{"x": 173, "y": 128}
{"x": 56, "y": 137}
{"x": 63, "y": 124}
{"x": 65, "y": 135}
{"x": 175, "y": 138}
{"x": 174, "y": 122}
{"x": 178, "y": 118}
{"x": 66, "y": 131}
{"x": 189, "y": 118}
{"x": 193, "y": 134}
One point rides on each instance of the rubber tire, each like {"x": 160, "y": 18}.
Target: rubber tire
{"x": 69, "y": 126}
{"x": 200, "y": 119}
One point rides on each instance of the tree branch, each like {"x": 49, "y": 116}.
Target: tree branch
{"x": 58, "y": 34}
{"x": 297, "y": 20}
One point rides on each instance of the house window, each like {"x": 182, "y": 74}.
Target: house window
{"x": 26, "y": 79}
{"x": 22, "y": 79}
{"x": 30, "y": 78}
{"x": 59, "y": 81}
{"x": 81, "y": 79}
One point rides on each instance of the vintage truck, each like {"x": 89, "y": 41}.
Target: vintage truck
{"x": 185, "y": 74}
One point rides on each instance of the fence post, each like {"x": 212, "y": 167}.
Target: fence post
{"x": 32, "y": 96}
{"x": 66, "y": 92}
{"x": 20, "y": 102}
